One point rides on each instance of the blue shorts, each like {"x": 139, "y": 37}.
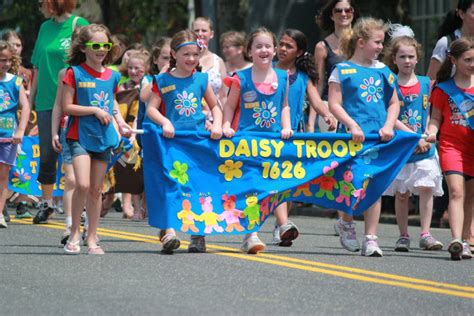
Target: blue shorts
{"x": 8, "y": 153}
{"x": 66, "y": 153}
{"x": 77, "y": 150}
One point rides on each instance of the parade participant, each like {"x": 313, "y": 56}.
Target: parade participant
{"x": 421, "y": 175}
{"x": 49, "y": 55}
{"x": 182, "y": 74}
{"x": 11, "y": 131}
{"x": 233, "y": 49}
{"x": 293, "y": 57}
{"x": 269, "y": 85}
{"x": 362, "y": 112}
{"x": 452, "y": 101}
{"x": 89, "y": 99}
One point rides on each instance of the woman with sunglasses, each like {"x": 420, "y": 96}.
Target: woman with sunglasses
{"x": 49, "y": 55}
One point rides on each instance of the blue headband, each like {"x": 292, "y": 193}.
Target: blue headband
{"x": 186, "y": 44}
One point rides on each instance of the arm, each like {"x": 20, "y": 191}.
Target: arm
{"x": 286, "y": 131}
{"x": 335, "y": 106}
{"x": 33, "y": 89}
{"x": 24, "y": 116}
{"x": 318, "y": 106}
{"x": 320, "y": 55}
{"x": 145, "y": 93}
{"x": 57, "y": 113}
{"x": 433, "y": 68}
{"x": 229, "y": 110}
{"x": 124, "y": 128}
{"x": 433, "y": 126}
{"x": 154, "y": 114}
{"x": 386, "y": 132}
{"x": 222, "y": 93}
{"x": 211, "y": 100}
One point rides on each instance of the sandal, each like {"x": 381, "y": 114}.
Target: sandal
{"x": 72, "y": 247}
{"x": 169, "y": 243}
{"x": 97, "y": 250}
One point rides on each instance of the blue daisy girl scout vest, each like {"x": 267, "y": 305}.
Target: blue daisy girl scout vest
{"x": 260, "y": 112}
{"x": 366, "y": 92}
{"x": 414, "y": 111}
{"x": 296, "y": 96}
{"x": 182, "y": 99}
{"x": 9, "y": 98}
{"x": 91, "y": 91}
{"x": 463, "y": 101}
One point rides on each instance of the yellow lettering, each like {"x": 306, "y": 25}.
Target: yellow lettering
{"x": 311, "y": 149}
{"x": 254, "y": 148}
{"x": 265, "y": 148}
{"x": 299, "y": 147}
{"x": 226, "y": 148}
{"x": 168, "y": 89}
{"x": 33, "y": 165}
{"x": 340, "y": 148}
{"x": 251, "y": 105}
{"x": 324, "y": 149}
{"x": 243, "y": 148}
{"x": 278, "y": 146}
{"x": 36, "y": 151}
{"x": 354, "y": 148}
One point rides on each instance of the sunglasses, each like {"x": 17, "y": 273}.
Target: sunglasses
{"x": 349, "y": 10}
{"x": 97, "y": 46}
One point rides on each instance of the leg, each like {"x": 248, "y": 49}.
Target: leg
{"x": 281, "y": 214}
{"x": 468, "y": 210}
{"x": 82, "y": 166}
{"x": 69, "y": 183}
{"x": 426, "y": 208}
{"x": 127, "y": 205}
{"x": 372, "y": 217}
{"x": 4, "y": 172}
{"x": 94, "y": 200}
{"x": 401, "y": 211}
{"x": 456, "y": 187}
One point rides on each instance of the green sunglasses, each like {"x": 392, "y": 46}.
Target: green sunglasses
{"x": 97, "y": 46}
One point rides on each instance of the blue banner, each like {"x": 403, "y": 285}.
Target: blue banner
{"x": 202, "y": 186}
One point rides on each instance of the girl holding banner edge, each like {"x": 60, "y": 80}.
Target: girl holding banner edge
{"x": 11, "y": 131}
{"x": 374, "y": 109}
{"x": 182, "y": 79}
{"x": 453, "y": 118}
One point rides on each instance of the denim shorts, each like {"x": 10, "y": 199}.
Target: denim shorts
{"x": 77, "y": 150}
{"x": 8, "y": 153}
{"x": 66, "y": 153}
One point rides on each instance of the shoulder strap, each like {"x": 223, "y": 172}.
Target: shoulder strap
{"x": 74, "y": 22}
{"x": 328, "y": 48}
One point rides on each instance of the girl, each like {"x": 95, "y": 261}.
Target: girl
{"x": 13, "y": 96}
{"x": 292, "y": 56}
{"x": 268, "y": 85}
{"x": 452, "y": 101}
{"x": 185, "y": 54}
{"x": 233, "y": 49}
{"x": 89, "y": 99}
{"x": 421, "y": 175}
{"x": 359, "y": 112}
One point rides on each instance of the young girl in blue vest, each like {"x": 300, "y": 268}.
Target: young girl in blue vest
{"x": 421, "y": 175}
{"x": 89, "y": 99}
{"x": 12, "y": 97}
{"x": 362, "y": 97}
{"x": 261, "y": 83}
{"x": 453, "y": 118}
{"x": 292, "y": 56}
{"x": 186, "y": 50}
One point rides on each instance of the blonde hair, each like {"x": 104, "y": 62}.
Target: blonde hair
{"x": 16, "y": 60}
{"x": 204, "y": 19}
{"x": 393, "y": 47}
{"x": 141, "y": 54}
{"x": 363, "y": 29}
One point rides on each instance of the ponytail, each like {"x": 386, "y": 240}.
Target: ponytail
{"x": 305, "y": 63}
{"x": 456, "y": 50}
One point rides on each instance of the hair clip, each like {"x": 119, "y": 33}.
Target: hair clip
{"x": 201, "y": 43}
{"x": 399, "y": 30}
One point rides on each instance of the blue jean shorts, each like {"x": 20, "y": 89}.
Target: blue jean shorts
{"x": 66, "y": 153}
{"x": 8, "y": 153}
{"x": 76, "y": 149}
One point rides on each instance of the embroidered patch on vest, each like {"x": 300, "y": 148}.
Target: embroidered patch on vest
{"x": 251, "y": 105}
{"x": 425, "y": 101}
{"x": 18, "y": 81}
{"x": 86, "y": 84}
{"x": 168, "y": 88}
{"x": 348, "y": 71}
{"x": 249, "y": 96}
{"x": 391, "y": 79}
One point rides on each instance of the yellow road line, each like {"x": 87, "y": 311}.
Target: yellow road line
{"x": 301, "y": 264}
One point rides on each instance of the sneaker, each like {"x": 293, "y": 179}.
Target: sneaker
{"x": 6, "y": 215}
{"x": 428, "y": 242}
{"x": 403, "y": 244}
{"x": 197, "y": 244}
{"x": 337, "y": 231}
{"x": 43, "y": 214}
{"x": 3, "y": 222}
{"x": 169, "y": 243}
{"x": 288, "y": 233}
{"x": 370, "y": 247}
{"x": 347, "y": 236}
{"x": 252, "y": 245}
{"x": 66, "y": 234}
{"x": 455, "y": 248}
{"x": 22, "y": 211}
{"x": 466, "y": 250}
{"x": 276, "y": 235}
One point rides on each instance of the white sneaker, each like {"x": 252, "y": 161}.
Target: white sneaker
{"x": 337, "y": 231}
{"x": 370, "y": 247}
{"x": 3, "y": 223}
{"x": 276, "y": 235}
{"x": 466, "y": 251}
{"x": 347, "y": 236}
{"x": 252, "y": 245}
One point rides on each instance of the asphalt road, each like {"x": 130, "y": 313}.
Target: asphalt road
{"x": 315, "y": 276}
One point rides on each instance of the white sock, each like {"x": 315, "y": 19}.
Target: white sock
{"x": 68, "y": 221}
{"x": 343, "y": 222}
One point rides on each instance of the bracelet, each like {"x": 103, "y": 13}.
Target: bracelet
{"x": 114, "y": 112}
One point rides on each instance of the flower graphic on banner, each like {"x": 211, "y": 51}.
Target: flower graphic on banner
{"x": 101, "y": 100}
{"x": 4, "y": 99}
{"x": 370, "y": 154}
{"x": 412, "y": 119}
{"x": 21, "y": 179}
{"x": 371, "y": 90}
{"x": 180, "y": 172}
{"x": 186, "y": 103}
{"x": 265, "y": 115}
{"x": 231, "y": 169}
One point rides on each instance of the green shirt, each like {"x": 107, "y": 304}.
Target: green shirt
{"x": 49, "y": 56}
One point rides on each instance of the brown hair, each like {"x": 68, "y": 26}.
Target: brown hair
{"x": 392, "y": 50}
{"x": 59, "y": 7}
{"x": 204, "y": 19}
{"x": 363, "y": 29}
{"x": 77, "y": 56}
{"x": 236, "y": 39}
{"x": 457, "y": 49}
{"x": 156, "y": 51}
{"x": 16, "y": 61}
{"x": 324, "y": 18}
{"x": 180, "y": 38}
{"x": 251, "y": 37}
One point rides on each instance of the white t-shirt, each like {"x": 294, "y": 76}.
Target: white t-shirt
{"x": 8, "y": 77}
{"x": 439, "y": 52}
{"x": 334, "y": 77}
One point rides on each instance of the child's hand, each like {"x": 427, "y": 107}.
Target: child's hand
{"x": 422, "y": 147}
{"x": 168, "y": 129}
{"x": 57, "y": 144}
{"x": 125, "y": 129}
{"x": 331, "y": 122}
{"x": 208, "y": 125}
{"x": 431, "y": 138}
{"x": 17, "y": 137}
{"x": 102, "y": 116}
{"x": 386, "y": 133}
{"x": 357, "y": 134}
{"x": 286, "y": 133}
{"x": 228, "y": 132}
{"x": 216, "y": 132}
